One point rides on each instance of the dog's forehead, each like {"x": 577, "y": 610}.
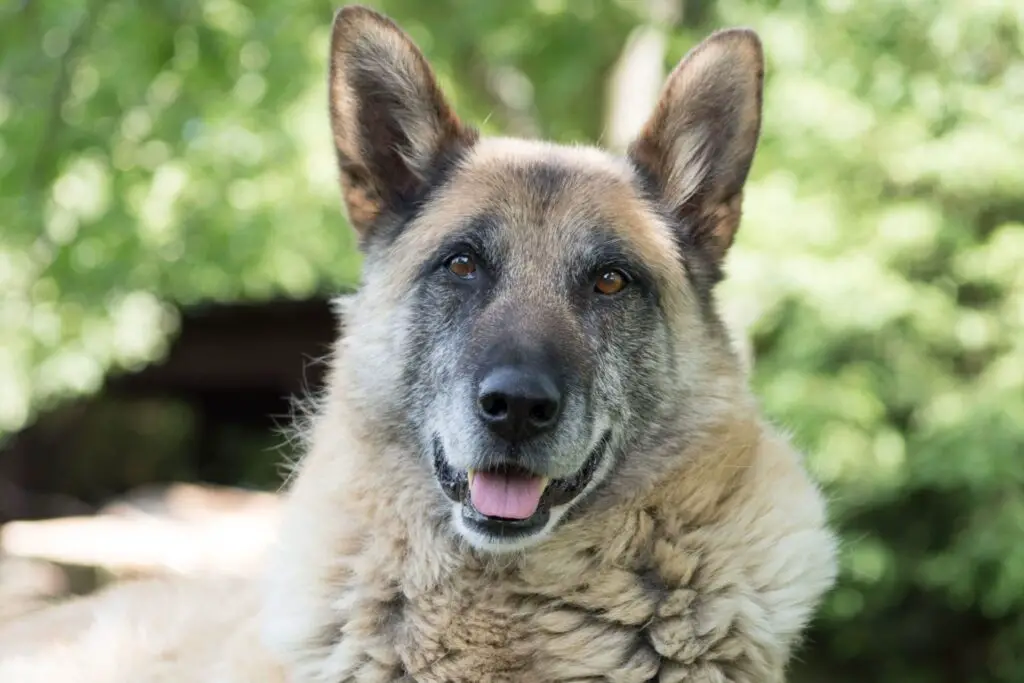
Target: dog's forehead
{"x": 549, "y": 194}
{"x": 548, "y": 199}
{"x": 547, "y": 189}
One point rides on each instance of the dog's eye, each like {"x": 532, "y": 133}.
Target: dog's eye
{"x": 462, "y": 266}
{"x": 611, "y": 282}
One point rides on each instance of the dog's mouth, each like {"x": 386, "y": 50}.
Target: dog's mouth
{"x": 508, "y": 500}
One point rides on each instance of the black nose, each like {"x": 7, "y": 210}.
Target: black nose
{"x": 518, "y": 403}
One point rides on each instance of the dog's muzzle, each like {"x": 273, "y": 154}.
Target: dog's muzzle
{"x": 507, "y": 500}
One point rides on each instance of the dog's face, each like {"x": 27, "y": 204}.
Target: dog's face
{"x": 537, "y": 310}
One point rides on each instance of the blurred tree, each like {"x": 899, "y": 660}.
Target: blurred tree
{"x": 881, "y": 264}
{"x": 179, "y": 151}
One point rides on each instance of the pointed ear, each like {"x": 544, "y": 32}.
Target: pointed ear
{"x": 699, "y": 143}
{"x": 393, "y": 128}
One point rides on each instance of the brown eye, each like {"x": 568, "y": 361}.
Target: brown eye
{"x": 462, "y": 266}
{"x": 611, "y": 282}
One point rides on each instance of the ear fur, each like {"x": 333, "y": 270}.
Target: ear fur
{"x": 698, "y": 144}
{"x": 392, "y": 125}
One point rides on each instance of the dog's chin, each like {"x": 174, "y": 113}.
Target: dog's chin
{"x": 505, "y": 533}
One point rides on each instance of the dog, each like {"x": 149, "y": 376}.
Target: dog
{"x": 537, "y": 457}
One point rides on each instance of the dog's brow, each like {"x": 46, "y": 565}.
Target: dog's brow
{"x": 476, "y": 233}
{"x": 611, "y": 251}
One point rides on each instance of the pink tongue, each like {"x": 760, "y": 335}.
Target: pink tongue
{"x": 508, "y": 496}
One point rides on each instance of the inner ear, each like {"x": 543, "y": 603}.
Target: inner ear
{"x": 698, "y": 144}
{"x": 393, "y": 128}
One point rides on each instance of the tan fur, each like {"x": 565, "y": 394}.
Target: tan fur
{"x": 599, "y": 194}
{"x": 708, "y": 576}
{"x": 154, "y": 631}
{"x": 700, "y": 562}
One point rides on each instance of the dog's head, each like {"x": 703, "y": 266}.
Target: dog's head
{"x": 531, "y": 313}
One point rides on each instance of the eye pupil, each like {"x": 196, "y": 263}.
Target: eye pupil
{"x": 610, "y": 282}
{"x": 462, "y": 266}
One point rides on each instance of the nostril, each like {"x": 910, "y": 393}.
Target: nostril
{"x": 543, "y": 412}
{"x": 495, "y": 406}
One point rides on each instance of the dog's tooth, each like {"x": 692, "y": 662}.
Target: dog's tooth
{"x": 544, "y": 483}
{"x": 469, "y": 475}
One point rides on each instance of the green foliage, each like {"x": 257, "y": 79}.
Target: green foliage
{"x": 883, "y": 246}
{"x": 179, "y": 151}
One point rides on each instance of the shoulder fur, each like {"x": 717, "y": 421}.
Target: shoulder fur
{"x": 710, "y": 575}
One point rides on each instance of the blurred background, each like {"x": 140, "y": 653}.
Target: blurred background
{"x": 171, "y": 232}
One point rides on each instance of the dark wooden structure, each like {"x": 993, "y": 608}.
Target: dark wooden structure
{"x": 232, "y": 370}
